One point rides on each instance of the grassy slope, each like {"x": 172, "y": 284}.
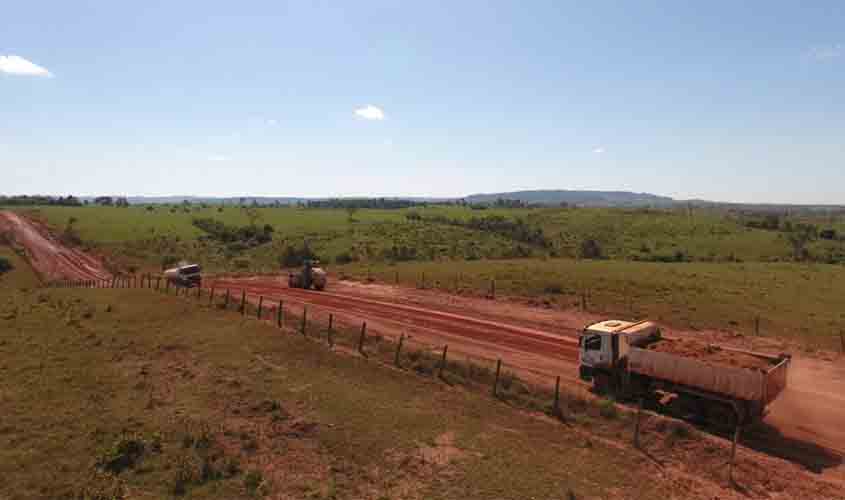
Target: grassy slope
{"x": 90, "y": 365}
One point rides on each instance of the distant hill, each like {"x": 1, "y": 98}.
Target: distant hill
{"x": 581, "y": 198}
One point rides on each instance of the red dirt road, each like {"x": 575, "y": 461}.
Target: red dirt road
{"x": 533, "y": 352}
{"x": 50, "y": 259}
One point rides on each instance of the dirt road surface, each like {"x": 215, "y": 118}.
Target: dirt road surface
{"x": 806, "y": 425}
{"x": 50, "y": 259}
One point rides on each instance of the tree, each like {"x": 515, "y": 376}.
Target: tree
{"x": 105, "y": 201}
{"x": 590, "y": 249}
{"x": 798, "y": 238}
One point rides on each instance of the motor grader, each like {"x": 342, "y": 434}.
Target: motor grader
{"x": 311, "y": 276}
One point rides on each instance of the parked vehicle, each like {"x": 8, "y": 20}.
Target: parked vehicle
{"x": 188, "y": 275}
{"x": 723, "y": 385}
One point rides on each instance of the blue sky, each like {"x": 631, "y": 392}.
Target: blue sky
{"x": 737, "y": 101}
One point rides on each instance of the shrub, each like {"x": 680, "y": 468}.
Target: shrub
{"x": 344, "y": 258}
{"x": 296, "y": 256}
{"x": 553, "y": 289}
{"x": 168, "y": 261}
{"x": 590, "y": 249}
{"x": 241, "y": 263}
{"x": 607, "y": 409}
{"x": 252, "y": 481}
{"x": 5, "y": 265}
{"x": 122, "y": 454}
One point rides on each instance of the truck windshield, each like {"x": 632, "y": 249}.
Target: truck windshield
{"x": 189, "y": 270}
{"x": 593, "y": 343}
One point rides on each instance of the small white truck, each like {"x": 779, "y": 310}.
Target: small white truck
{"x": 187, "y": 275}
{"x": 695, "y": 379}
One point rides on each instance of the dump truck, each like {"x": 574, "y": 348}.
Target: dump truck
{"x": 692, "y": 379}
{"x": 310, "y": 276}
{"x": 185, "y": 275}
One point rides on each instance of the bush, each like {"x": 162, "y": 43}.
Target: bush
{"x": 607, "y": 409}
{"x": 590, "y": 249}
{"x": 296, "y": 256}
{"x": 252, "y": 481}
{"x": 5, "y": 265}
{"x": 344, "y": 258}
{"x": 168, "y": 261}
{"x": 553, "y": 289}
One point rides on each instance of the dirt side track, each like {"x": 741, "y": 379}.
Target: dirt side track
{"x": 50, "y": 259}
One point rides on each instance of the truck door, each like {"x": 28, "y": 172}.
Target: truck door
{"x": 592, "y": 350}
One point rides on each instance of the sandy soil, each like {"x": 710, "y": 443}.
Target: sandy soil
{"x": 50, "y": 259}
{"x": 710, "y": 354}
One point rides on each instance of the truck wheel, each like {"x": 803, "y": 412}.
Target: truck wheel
{"x": 601, "y": 383}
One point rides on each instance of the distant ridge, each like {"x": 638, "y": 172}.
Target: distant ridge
{"x": 580, "y": 198}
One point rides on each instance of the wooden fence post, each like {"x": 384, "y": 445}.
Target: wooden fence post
{"x": 280, "y": 314}
{"x": 422, "y": 283}
{"x": 496, "y": 381}
{"x": 442, "y": 362}
{"x": 637, "y": 424}
{"x": 158, "y": 282}
{"x": 167, "y": 286}
{"x": 556, "y": 405}
{"x": 211, "y": 297}
{"x": 733, "y": 452}
{"x": 303, "y": 327}
{"x": 226, "y": 303}
{"x": 361, "y": 338}
{"x": 757, "y": 326}
{"x": 492, "y": 289}
{"x": 260, "y": 305}
{"x": 396, "y": 277}
{"x": 398, "y": 350}
{"x": 199, "y": 292}
{"x": 329, "y": 339}
{"x": 583, "y": 300}
{"x": 243, "y": 302}
{"x": 842, "y": 340}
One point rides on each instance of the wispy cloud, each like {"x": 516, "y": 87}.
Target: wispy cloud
{"x": 370, "y": 112}
{"x": 598, "y": 151}
{"x": 218, "y": 158}
{"x": 272, "y": 122}
{"x": 826, "y": 52}
{"x": 17, "y": 65}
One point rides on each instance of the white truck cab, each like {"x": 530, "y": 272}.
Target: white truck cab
{"x": 604, "y": 344}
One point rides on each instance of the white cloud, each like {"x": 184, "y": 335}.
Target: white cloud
{"x": 598, "y": 151}
{"x": 218, "y": 158}
{"x": 370, "y": 112}
{"x": 16, "y": 65}
{"x": 826, "y": 52}
{"x": 272, "y": 122}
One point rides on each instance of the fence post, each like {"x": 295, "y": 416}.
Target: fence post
{"x": 556, "y": 405}
{"x": 158, "y": 282}
{"x": 733, "y": 452}
{"x": 329, "y": 339}
{"x": 361, "y": 338}
{"x": 842, "y": 340}
{"x": 243, "y": 302}
{"x": 167, "y": 286}
{"x": 757, "y": 326}
{"x": 396, "y": 277}
{"x": 211, "y": 297}
{"x": 280, "y": 314}
{"x": 199, "y": 292}
{"x": 226, "y": 303}
{"x": 637, "y": 424}
{"x": 492, "y": 294}
{"x": 304, "y": 325}
{"x": 583, "y": 301}
{"x": 422, "y": 284}
{"x": 398, "y": 350}
{"x": 496, "y": 381}
{"x": 260, "y": 304}
{"x": 113, "y": 281}
{"x": 442, "y": 362}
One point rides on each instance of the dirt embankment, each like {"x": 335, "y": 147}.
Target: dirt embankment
{"x": 49, "y": 257}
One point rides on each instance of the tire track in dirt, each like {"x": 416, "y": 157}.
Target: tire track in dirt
{"x": 50, "y": 259}
{"x": 540, "y": 354}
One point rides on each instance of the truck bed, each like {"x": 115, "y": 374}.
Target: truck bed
{"x": 727, "y": 372}
{"x": 711, "y": 354}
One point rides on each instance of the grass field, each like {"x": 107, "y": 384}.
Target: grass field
{"x": 172, "y": 399}
{"x": 796, "y": 301}
{"x": 738, "y": 273}
{"x": 21, "y": 275}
